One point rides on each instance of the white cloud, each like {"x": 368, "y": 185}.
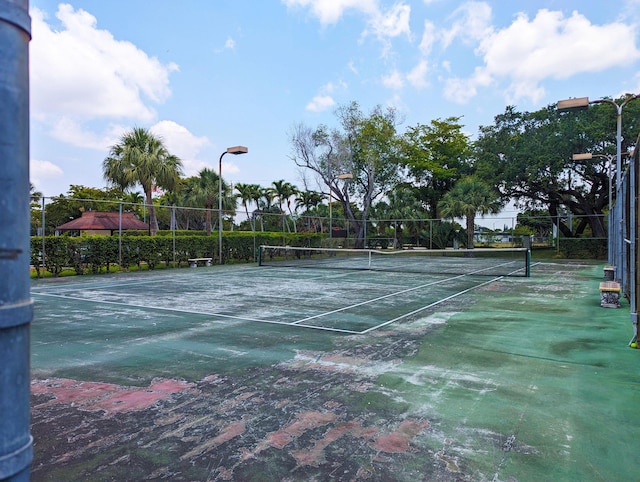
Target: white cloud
{"x": 473, "y": 23}
{"x": 230, "y": 44}
{"x": 428, "y": 38}
{"x": 330, "y": 11}
{"x": 383, "y": 24}
{"x": 418, "y": 75}
{"x": 459, "y": 90}
{"x": 83, "y": 71}
{"x": 320, "y": 103}
{"x": 393, "y": 81}
{"x": 324, "y": 100}
{"x": 527, "y": 52}
{"x": 392, "y": 23}
{"x": 68, "y": 130}
{"x": 43, "y": 170}
{"x": 182, "y": 143}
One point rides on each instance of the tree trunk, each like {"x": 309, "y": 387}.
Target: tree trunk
{"x": 207, "y": 220}
{"x": 471, "y": 223}
{"x": 153, "y": 223}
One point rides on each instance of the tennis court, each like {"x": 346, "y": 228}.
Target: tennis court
{"x": 346, "y": 299}
{"x": 278, "y": 373}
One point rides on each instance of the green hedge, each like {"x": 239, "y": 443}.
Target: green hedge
{"x": 578, "y": 248}
{"x": 96, "y": 254}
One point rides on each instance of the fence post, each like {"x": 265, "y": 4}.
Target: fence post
{"x": 16, "y": 307}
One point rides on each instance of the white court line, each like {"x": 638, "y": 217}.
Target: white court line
{"x": 376, "y": 299}
{"x": 429, "y": 306}
{"x": 193, "y": 312}
{"x": 298, "y": 323}
{"x": 435, "y": 303}
{"x": 102, "y": 284}
{"x": 401, "y": 292}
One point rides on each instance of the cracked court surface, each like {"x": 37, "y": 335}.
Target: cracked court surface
{"x": 517, "y": 379}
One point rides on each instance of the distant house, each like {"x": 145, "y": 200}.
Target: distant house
{"x": 101, "y": 223}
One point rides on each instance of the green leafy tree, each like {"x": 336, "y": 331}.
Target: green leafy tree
{"x": 283, "y": 191}
{"x": 202, "y": 191}
{"x": 308, "y": 200}
{"x": 65, "y": 207}
{"x": 141, "y": 158}
{"x": 436, "y": 156}
{"x": 539, "y": 222}
{"x": 35, "y": 204}
{"x": 403, "y": 210}
{"x": 248, "y": 193}
{"x": 528, "y": 157}
{"x": 365, "y": 147}
{"x": 468, "y": 198}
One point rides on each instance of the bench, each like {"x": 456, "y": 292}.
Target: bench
{"x": 193, "y": 262}
{"x": 610, "y": 294}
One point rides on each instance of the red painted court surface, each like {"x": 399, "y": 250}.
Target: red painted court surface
{"x": 275, "y": 373}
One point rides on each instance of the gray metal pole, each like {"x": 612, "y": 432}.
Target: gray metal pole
{"x": 632, "y": 240}
{"x": 43, "y": 239}
{"x": 119, "y": 238}
{"x": 220, "y": 208}
{"x": 16, "y": 307}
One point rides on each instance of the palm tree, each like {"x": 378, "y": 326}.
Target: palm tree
{"x": 264, "y": 203}
{"x": 246, "y": 193}
{"x": 308, "y": 200}
{"x": 141, "y": 158}
{"x": 283, "y": 191}
{"x": 35, "y": 204}
{"x": 468, "y": 197}
{"x": 203, "y": 191}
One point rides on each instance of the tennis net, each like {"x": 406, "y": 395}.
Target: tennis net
{"x": 481, "y": 261}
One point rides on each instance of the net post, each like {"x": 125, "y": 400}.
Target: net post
{"x": 528, "y": 264}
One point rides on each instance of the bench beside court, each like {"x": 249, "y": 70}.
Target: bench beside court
{"x": 193, "y": 262}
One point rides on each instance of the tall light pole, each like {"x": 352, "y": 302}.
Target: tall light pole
{"x": 582, "y": 103}
{"x": 230, "y": 150}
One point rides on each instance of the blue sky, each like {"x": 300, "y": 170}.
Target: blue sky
{"x": 207, "y": 74}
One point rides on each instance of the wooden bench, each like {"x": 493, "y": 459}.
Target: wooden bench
{"x": 610, "y": 294}
{"x": 193, "y": 262}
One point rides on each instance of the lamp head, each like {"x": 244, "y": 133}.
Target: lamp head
{"x": 579, "y": 103}
{"x": 237, "y": 150}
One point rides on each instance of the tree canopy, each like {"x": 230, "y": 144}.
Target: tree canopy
{"x": 141, "y": 158}
{"x": 528, "y": 156}
{"x": 359, "y": 159}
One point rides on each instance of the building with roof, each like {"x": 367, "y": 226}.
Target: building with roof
{"x": 102, "y": 223}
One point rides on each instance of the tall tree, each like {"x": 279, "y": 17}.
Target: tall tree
{"x": 403, "y": 210}
{"x": 204, "y": 190}
{"x": 528, "y": 157}
{"x": 468, "y": 198}
{"x": 365, "y": 147}
{"x": 308, "y": 200}
{"x": 283, "y": 191}
{"x": 141, "y": 158}
{"x": 247, "y": 193}
{"x": 436, "y": 156}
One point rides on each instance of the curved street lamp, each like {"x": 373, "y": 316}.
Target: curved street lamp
{"x": 235, "y": 151}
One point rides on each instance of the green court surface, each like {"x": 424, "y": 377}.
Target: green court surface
{"x": 275, "y": 373}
